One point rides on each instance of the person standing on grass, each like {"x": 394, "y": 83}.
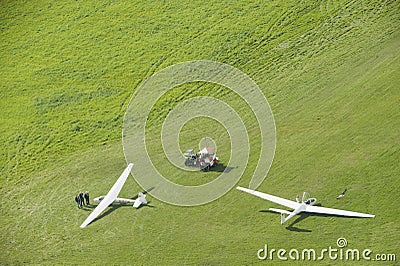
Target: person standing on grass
{"x": 87, "y": 198}
{"x": 81, "y": 198}
{"x": 297, "y": 199}
{"x": 78, "y": 201}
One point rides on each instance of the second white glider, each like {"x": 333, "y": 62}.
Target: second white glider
{"x": 306, "y": 205}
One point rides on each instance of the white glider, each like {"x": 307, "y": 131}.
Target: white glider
{"x": 306, "y": 205}
{"x": 111, "y": 197}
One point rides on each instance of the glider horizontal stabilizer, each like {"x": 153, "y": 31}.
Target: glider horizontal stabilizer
{"x": 280, "y": 211}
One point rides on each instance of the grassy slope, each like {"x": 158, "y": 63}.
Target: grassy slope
{"x": 69, "y": 69}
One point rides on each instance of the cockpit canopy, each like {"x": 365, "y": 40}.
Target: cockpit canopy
{"x": 306, "y": 196}
{"x": 311, "y": 201}
{"x": 308, "y": 200}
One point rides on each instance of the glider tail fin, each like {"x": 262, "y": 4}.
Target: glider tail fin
{"x": 142, "y": 198}
{"x": 283, "y": 218}
{"x": 283, "y": 213}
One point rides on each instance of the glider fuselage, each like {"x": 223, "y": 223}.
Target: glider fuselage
{"x": 117, "y": 200}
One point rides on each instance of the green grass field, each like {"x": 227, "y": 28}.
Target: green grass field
{"x": 329, "y": 69}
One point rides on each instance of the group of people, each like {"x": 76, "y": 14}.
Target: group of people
{"x": 81, "y": 198}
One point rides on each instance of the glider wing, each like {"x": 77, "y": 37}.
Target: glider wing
{"x": 323, "y": 210}
{"x": 275, "y": 199}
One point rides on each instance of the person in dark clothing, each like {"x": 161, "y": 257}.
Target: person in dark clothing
{"x": 87, "y": 198}
{"x": 78, "y": 201}
{"x": 81, "y": 198}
